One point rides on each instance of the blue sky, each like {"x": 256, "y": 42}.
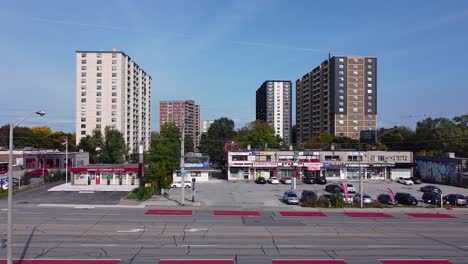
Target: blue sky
{"x": 219, "y": 52}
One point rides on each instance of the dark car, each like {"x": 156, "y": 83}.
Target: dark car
{"x": 308, "y": 180}
{"x": 325, "y": 197}
{"x": 385, "y": 199}
{"x": 321, "y": 180}
{"x": 261, "y": 180}
{"x": 308, "y": 196}
{"x": 406, "y": 198}
{"x": 38, "y": 173}
{"x": 333, "y": 188}
{"x": 430, "y": 188}
{"x": 432, "y": 198}
{"x": 456, "y": 199}
{"x": 416, "y": 180}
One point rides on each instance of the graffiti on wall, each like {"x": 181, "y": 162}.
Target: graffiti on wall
{"x": 438, "y": 171}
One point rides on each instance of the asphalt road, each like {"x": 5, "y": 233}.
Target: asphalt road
{"x": 133, "y": 237}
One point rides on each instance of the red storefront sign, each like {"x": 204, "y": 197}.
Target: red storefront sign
{"x": 104, "y": 169}
{"x": 264, "y": 164}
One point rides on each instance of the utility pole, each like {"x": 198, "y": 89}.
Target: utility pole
{"x": 182, "y": 170}
{"x": 360, "y": 177}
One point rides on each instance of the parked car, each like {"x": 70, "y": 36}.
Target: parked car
{"x": 385, "y": 199}
{"x": 366, "y": 199}
{"x": 4, "y": 184}
{"x": 405, "y": 181}
{"x": 321, "y": 180}
{"x": 308, "y": 180}
{"x": 273, "y": 180}
{"x": 38, "y": 173}
{"x": 187, "y": 184}
{"x": 351, "y": 188}
{"x": 290, "y": 198}
{"x": 456, "y": 199}
{"x": 326, "y": 197}
{"x": 260, "y": 180}
{"x": 332, "y": 188}
{"x": 285, "y": 180}
{"x": 431, "y": 188}
{"x": 416, "y": 180}
{"x": 406, "y": 198}
{"x": 432, "y": 198}
{"x": 308, "y": 196}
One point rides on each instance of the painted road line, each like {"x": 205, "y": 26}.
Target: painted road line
{"x": 367, "y": 215}
{"x": 302, "y": 214}
{"x": 414, "y": 261}
{"x": 169, "y": 212}
{"x": 431, "y": 215}
{"x": 130, "y": 230}
{"x": 196, "y": 261}
{"x": 235, "y": 213}
{"x": 308, "y": 261}
{"x": 63, "y": 261}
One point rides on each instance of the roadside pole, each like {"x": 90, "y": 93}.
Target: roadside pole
{"x": 182, "y": 170}
{"x": 360, "y": 177}
{"x": 66, "y": 161}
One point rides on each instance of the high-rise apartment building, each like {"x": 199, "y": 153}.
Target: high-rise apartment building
{"x": 338, "y": 97}
{"x": 274, "y": 105}
{"x": 205, "y": 125}
{"x": 184, "y": 114}
{"x": 112, "y": 91}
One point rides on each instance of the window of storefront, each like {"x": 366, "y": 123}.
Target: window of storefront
{"x": 334, "y": 157}
{"x": 30, "y": 163}
{"x": 263, "y": 158}
{"x": 238, "y": 172}
{"x": 354, "y": 158}
{"x": 239, "y": 158}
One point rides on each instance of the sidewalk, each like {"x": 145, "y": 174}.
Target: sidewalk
{"x": 170, "y": 201}
{"x": 92, "y": 188}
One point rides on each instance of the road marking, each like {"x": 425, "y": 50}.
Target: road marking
{"x": 83, "y": 207}
{"x": 431, "y": 215}
{"x": 63, "y": 261}
{"x": 130, "y": 230}
{"x": 196, "y": 229}
{"x": 308, "y": 261}
{"x": 169, "y": 212}
{"x": 196, "y": 261}
{"x": 86, "y": 192}
{"x": 414, "y": 261}
{"x": 367, "y": 215}
{"x": 99, "y": 245}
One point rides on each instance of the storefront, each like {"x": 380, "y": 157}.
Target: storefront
{"x": 54, "y": 160}
{"x": 199, "y": 174}
{"x": 264, "y": 169}
{"x": 110, "y": 174}
{"x": 333, "y": 171}
{"x": 239, "y": 170}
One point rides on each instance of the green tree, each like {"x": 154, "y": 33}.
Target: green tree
{"x": 397, "y": 138}
{"x": 258, "y": 134}
{"x": 114, "y": 148}
{"x": 93, "y": 145}
{"x": 188, "y": 144}
{"x": 212, "y": 142}
{"x": 163, "y": 157}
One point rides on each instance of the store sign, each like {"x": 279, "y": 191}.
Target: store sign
{"x": 264, "y": 164}
{"x": 312, "y": 166}
{"x": 240, "y": 164}
{"x": 239, "y": 153}
{"x": 308, "y": 160}
{"x": 196, "y": 165}
{"x": 287, "y": 164}
{"x": 357, "y": 165}
{"x": 383, "y": 165}
{"x": 104, "y": 169}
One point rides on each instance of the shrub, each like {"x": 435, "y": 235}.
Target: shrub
{"x": 141, "y": 194}
{"x": 25, "y": 179}
{"x": 336, "y": 200}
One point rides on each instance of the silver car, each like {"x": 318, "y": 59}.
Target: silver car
{"x": 290, "y": 198}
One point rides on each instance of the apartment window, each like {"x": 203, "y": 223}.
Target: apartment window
{"x": 99, "y": 74}
{"x": 369, "y": 91}
{"x": 341, "y": 97}
{"x": 341, "y": 91}
{"x": 98, "y": 100}
{"x": 114, "y": 55}
{"x": 114, "y": 120}
{"x": 114, "y": 113}
{"x": 99, "y": 80}
{"x": 83, "y": 125}
{"x": 341, "y": 60}
{"x": 83, "y": 93}
{"x": 341, "y": 122}
{"x": 369, "y": 60}
{"x": 83, "y": 68}
{"x": 98, "y": 120}
{"x": 355, "y": 91}
{"x": 340, "y": 110}
{"x": 355, "y": 72}
{"x": 114, "y": 87}
{"x": 369, "y": 79}
{"x": 83, "y": 87}
{"x": 369, "y": 67}
{"x": 83, "y": 61}
{"x": 83, "y": 80}
{"x": 99, "y": 87}
{"x": 341, "y": 72}
{"x": 341, "y": 103}
{"x": 341, "y": 79}
{"x": 99, "y": 68}
{"x": 114, "y": 74}
{"x": 369, "y": 97}
{"x": 369, "y": 103}
{"x": 369, "y": 85}
{"x": 114, "y": 100}
{"x": 369, "y": 110}
{"x": 114, "y": 106}
{"x": 369, "y": 73}
{"x": 114, "y": 61}
{"x": 114, "y": 94}
{"x": 98, "y": 113}
{"x": 355, "y": 61}
{"x": 98, "y": 126}
{"x": 98, "y": 107}
{"x": 83, "y": 132}
{"x": 114, "y": 81}
{"x": 341, "y": 85}
{"x": 355, "y": 122}
{"x": 98, "y": 94}
{"x": 341, "y": 116}
{"x": 83, "y": 55}
{"x": 341, "y": 66}
{"x": 99, "y": 61}
{"x": 83, "y": 100}
{"x": 355, "y": 85}
{"x": 355, "y": 104}
{"x": 83, "y": 113}
{"x": 114, "y": 68}
{"x": 355, "y": 128}
{"x": 114, "y": 126}
{"x": 369, "y": 116}
{"x": 355, "y": 97}
{"x": 355, "y": 110}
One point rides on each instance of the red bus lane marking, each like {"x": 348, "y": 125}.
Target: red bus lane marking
{"x": 196, "y": 261}
{"x": 431, "y": 215}
{"x": 368, "y": 215}
{"x": 169, "y": 212}
{"x": 303, "y": 214}
{"x": 63, "y": 261}
{"x": 415, "y": 261}
{"x": 235, "y": 213}
{"x": 308, "y": 261}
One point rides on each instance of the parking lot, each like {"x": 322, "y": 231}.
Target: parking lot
{"x": 250, "y": 194}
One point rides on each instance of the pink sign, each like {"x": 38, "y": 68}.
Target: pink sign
{"x": 345, "y": 190}
{"x": 390, "y": 193}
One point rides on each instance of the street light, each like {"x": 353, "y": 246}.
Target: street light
{"x": 10, "y": 189}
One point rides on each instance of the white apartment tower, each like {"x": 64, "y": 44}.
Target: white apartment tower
{"x": 112, "y": 90}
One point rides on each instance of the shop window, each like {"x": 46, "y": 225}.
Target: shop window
{"x": 239, "y": 158}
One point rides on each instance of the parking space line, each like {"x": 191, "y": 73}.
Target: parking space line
{"x": 63, "y": 261}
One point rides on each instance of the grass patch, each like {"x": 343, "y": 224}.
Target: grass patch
{"x": 141, "y": 194}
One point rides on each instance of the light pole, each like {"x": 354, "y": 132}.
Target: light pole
{"x": 10, "y": 189}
